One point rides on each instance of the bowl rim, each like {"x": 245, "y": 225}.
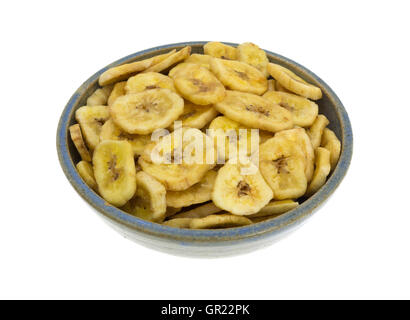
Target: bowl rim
{"x": 271, "y": 226}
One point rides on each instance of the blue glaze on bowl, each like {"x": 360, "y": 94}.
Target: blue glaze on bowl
{"x": 206, "y": 243}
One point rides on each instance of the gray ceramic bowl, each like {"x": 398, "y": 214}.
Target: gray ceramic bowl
{"x": 205, "y": 243}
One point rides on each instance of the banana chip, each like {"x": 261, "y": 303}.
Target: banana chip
{"x": 304, "y": 111}
{"x": 219, "y": 221}
{"x": 239, "y": 76}
{"x": 77, "y": 138}
{"x": 127, "y": 70}
{"x": 86, "y": 172}
{"x": 144, "y": 112}
{"x": 195, "y": 116}
{"x": 333, "y": 144}
{"x": 117, "y": 91}
{"x": 322, "y": 170}
{"x": 316, "y": 130}
{"x": 254, "y": 111}
{"x": 178, "y": 223}
{"x": 201, "y": 59}
{"x": 100, "y": 96}
{"x": 147, "y": 81}
{"x": 253, "y": 55}
{"x": 220, "y": 50}
{"x": 275, "y": 208}
{"x": 170, "y": 60}
{"x": 294, "y": 83}
{"x": 198, "y": 212}
{"x": 114, "y": 171}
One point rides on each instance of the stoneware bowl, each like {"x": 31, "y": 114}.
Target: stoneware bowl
{"x": 205, "y": 243}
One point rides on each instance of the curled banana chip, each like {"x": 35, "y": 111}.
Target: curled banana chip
{"x": 127, "y": 70}
{"x": 117, "y": 91}
{"x": 147, "y": 81}
{"x": 91, "y": 119}
{"x": 275, "y": 208}
{"x": 239, "y": 76}
{"x": 322, "y": 170}
{"x": 293, "y": 83}
{"x": 114, "y": 171}
{"x": 219, "y": 221}
{"x": 240, "y": 188}
{"x": 170, "y": 60}
{"x": 77, "y": 137}
{"x": 197, "y": 84}
{"x": 201, "y": 59}
{"x": 144, "y": 112}
{"x": 304, "y": 111}
{"x": 333, "y": 144}
{"x": 282, "y": 164}
{"x": 199, "y": 212}
{"x": 178, "y": 223}
{"x": 195, "y": 116}
{"x": 220, "y": 50}
{"x": 253, "y": 55}
{"x": 149, "y": 202}
{"x": 100, "y": 96}
{"x": 254, "y": 111}
{"x": 198, "y": 193}
{"x": 86, "y": 172}
{"x": 110, "y": 131}
{"x": 316, "y": 130}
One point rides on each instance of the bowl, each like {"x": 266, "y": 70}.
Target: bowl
{"x": 205, "y": 243}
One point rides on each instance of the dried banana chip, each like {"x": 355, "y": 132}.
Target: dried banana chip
{"x": 114, "y": 171}
{"x": 144, "y": 112}
{"x": 201, "y": 59}
{"x": 100, "y": 96}
{"x": 91, "y": 119}
{"x": 147, "y": 81}
{"x": 333, "y": 144}
{"x": 149, "y": 202}
{"x": 294, "y": 83}
{"x": 220, "y": 50}
{"x": 322, "y": 170}
{"x": 304, "y": 111}
{"x": 110, "y": 131}
{"x": 197, "y": 84}
{"x": 275, "y": 208}
{"x": 281, "y": 88}
{"x": 316, "y": 130}
{"x": 219, "y": 221}
{"x": 86, "y": 172}
{"x": 253, "y": 55}
{"x": 117, "y": 91}
{"x": 239, "y": 76}
{"x": 170, "y": 60}
{"x": 77, "y": 137}
{"x": 238, "y": 191}
{"x": 198, "y": 212}
{"x": 254, "y": 111}
{"x": 198, "y": 193}
{"x": 178, "y": 223}
{"x": 195, "y": 116}
{"x": 127, "y": 70}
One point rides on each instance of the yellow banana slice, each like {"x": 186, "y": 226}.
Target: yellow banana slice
{"x": 322, "y": 170}
{"x": 171, "y": 60}
{"x": 197, "y": 84}
{"x": 198, "y": 212}
{"x": 114, "y": 171}
{"x": 198, "y": 193}
{"x": 294, "y": 83}
{"x": 316, "y": 130}
{"x": 147, "y": 81}
{"x": 149, "y": 201}
{"x": 86, "y": 172}
{"x": 240, "y": 188}
{"x": 275, "y": 208}
{"x": 239, "y": 76}
{"x": 304, "y": 111}
{"x": 190, "y": 153}
{"x": 333, "y": 144}
{"x": 300, "y": 137}
{"x": 282, "y": 164}
{"x": 144, "y": 112}
{"x": 110, "y": 131}
{"x": 127, "y": 70}
{"x": 91, "y": 119}
{"x": 77, "y": 137}
{"x": 100, "y": 96}
{"x": 281, "y": 88}
{"x": 220, "y": 50}
{"x": 271, "y": 85}
{"x": 201, "y": 59}
{"x": 253, "y": 55}
{"x": 219, "y": 221}
{"x": 254, "y": 111}
{"x": 178, "y": 223}
{"x": 195, "y": 116}
{"x": 117, "y": 91}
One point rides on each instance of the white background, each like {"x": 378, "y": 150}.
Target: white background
{"x": 52, "y": 245}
